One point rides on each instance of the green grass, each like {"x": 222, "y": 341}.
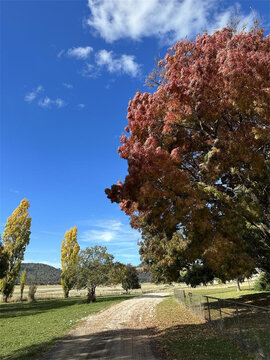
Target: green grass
{"x": 185, "y": 336}
{"x": 28, "y": 329}
{"x": 225, "y": 293}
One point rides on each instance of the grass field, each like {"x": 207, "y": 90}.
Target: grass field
{"x": 27, "y": 329}
{"x": 56, "y": 292}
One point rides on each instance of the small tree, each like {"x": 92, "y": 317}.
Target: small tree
{"x": 117, "y": 273}
{"x": 94, "y": 266}
{"x": 69, "y": 260}
{"x": 22, "y": 283}
{"x": 263, "y": 283}
{"x": 32, "y": 292}
{"x": 15, "y": 238}
{"x": 130, "y": 280}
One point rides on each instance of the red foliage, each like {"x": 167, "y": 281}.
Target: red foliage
{"x": 207, "y": 123}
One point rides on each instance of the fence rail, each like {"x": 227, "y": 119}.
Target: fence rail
{"x": 248, "y": 324}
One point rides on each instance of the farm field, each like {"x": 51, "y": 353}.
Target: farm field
{"x": 28, "y": 329}
{"x": 56, "y": 292}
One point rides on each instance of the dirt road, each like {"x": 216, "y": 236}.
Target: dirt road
{"x": 118, "y": 333}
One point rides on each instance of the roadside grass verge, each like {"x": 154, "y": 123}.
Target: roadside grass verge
{"x": 187, "y": 337}
{"x": 252, "y": 325}
{"x": 28, "y": 329}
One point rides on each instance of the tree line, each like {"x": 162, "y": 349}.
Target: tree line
{"x": 92, "y": 267}
{"x": 81, "y": 269}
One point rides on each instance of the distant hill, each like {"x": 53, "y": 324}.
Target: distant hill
{"x": 40, "y": 274}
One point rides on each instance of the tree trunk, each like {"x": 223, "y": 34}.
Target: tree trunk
{"x": 238, "y": 284}
{"x": 66, "y": 293}
{"x": 91, "y": 295}
{"x": 5, "y": 298}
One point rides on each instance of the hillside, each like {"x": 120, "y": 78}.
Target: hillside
{"x": 40, "y": 274}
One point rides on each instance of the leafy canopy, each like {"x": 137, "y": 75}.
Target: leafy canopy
{"x": 198, "y": 156}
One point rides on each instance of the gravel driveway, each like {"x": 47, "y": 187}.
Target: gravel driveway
{"x": 120, "y": 332}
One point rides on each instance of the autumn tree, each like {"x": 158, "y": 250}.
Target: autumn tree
{"x": 16, "y": 237}
{"x": 22, "y": 283}
{"x": 198, "y": 156}
{"x": 69, "y": 260}
{"x": 94, "y": 267}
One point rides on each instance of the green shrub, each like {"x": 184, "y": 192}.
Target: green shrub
{"x": 31, "y": 292}
{"x": 263, "y": 282}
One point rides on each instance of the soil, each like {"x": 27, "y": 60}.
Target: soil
{"x": 121, "y": 332}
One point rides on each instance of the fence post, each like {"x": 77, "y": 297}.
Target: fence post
{"x": 185, "y": 300}
{"x": 238, "y": 323}
{"x": 220, "y": 314}
{"x": 209, "y": 312}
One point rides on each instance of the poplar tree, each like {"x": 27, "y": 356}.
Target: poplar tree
{"x": 22, "y": 283}
{"x": 16, "y": 237}
{"x": 3, "y": 260}
{"x": 69, "y": 259}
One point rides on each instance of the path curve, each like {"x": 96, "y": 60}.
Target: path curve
{"x": 120, "y": 332}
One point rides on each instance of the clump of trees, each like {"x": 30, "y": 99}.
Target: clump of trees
{"x": 198, "y": 154}
{"x": 16, "y": 237}
{"x": 69, "y": 260}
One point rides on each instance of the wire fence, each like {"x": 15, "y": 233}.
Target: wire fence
{"x": 249, "y": 325}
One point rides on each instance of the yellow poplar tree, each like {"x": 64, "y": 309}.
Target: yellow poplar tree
{"x": 16, "y": 237}
{"x": 22, "y": 282}
{"x": 69, "y": 259}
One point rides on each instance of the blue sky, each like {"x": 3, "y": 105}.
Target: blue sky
{"x": 68, "y": 70}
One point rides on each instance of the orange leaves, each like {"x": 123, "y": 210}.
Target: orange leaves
{"x": 198, "y": 147}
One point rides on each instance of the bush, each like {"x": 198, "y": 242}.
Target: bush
{"x": 31, "y": 292}
{"x": 263, "y": 282}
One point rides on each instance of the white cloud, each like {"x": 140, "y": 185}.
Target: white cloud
{"x": 61, "y": 52}
{"x": 33, "y": 94}
{"x": 47, "y": 102}
{"x": 14, "y": 191}
{"x": 68, "y": 86}
{"x": 81, "y": 106}
{"x": 81, "y": 53}
{"x": 109, "y": 231}
{"x": 59, "y": 103}
{"x": 124, "y": 64}
{"x": 168, "y": 20}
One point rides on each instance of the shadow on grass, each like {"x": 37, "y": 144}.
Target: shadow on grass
{"x": 112, "y": 344}
{"x": 183, "y": 341}
{"x": 259, "y": 299}
{"x": 11, "y": 310}
{"x": 249, "y": 326}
